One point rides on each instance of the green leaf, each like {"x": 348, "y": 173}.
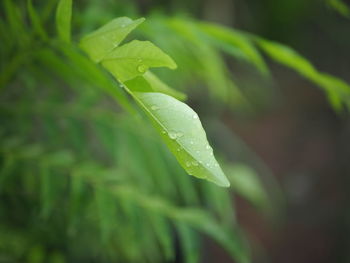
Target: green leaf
{"x": 35, "y": 20}
{"x": 63, "y": 19}
{"x": 95, "y": 75}
{"x": 246, "y": 183}
{"x": 102, "y": 41}
{"x": 151, "y": 83}
{"x": 188, "y": 243}
{"x": 337, "y": 90}
{"x": 162, "y": 231}
{"x": 234, "y": 43}
{"x": 15, "y": 23}
{"x": 134, "y": 59}
{"x": 196, "y": 218}
{"x": 201, "y": 220}
{"x": 340, "y": 7}
{"x": 184, "y": 135}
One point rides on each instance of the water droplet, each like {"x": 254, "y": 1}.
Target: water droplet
{"x": 179, "y": 134}
{"x": 198, "y": 152}
{"x": 208, "y": 164}
{"x": 188, "y": 164}
{"x": 207, "y": 147}
{"x": 211, "y": 153}
{"x": 164, "y": 132}
{"x": 154, "y": 107}
{"x": 191, "y": 142}
{"x": 216, "y": 165}
{"x": 195, "y": 163}
{"x": 178, "y": 149}
{"x": 142, "y": 68}
{"x": 172, "y": 135}
{"x": 195, "y": 116}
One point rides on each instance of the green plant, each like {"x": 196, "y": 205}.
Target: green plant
{"x": 83, "y": 176}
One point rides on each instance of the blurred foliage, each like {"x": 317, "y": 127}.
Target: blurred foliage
{"x": 340, "y": 7}
{"x": 83, "y": 176}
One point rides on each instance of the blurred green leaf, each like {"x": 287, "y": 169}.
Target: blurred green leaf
{"x": 36, "y": 21}
{"x": 202, "y": 221}
{"x": 151, "y": 83}
{"x": 234, "y": 43}
{"x": 134, "y": 59}
{"x": 246, "y": 183}
{"x": 15, "y": 23}
{"x": 188, "y": 243}
{"x": 63, "y": 20}
{"x": 102, "y": 41}
{"x": 96, "y": 76}
{"x": 340, "y": 7}
{"x": 36, "y": 254}
{"x": 339, "y": 90}
{"x": 159, "y": 86}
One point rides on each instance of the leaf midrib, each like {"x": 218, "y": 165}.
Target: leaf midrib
{"x": 159, "y": 122}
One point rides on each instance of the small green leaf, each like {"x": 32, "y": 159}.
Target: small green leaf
{"x": 134, "y": 59}
{"x": 63, "y": 19}
{"x": 102, "y": 41}
{"x": 151, "y": 83}
{"x": 184, "y": 135}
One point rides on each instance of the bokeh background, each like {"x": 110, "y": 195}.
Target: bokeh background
{"x": 292, "y": 133}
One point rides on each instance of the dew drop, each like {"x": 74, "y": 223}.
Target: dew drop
{"x": 194, "y": 163}
{"x": 179, "y": 134}
{"x": 164, "y": 132}
{"x": 191, "y": 142}
{"x": 154, "y": 107}
{"x": 216, "y": 165}
{"x": 207, "y": 147}
{"x": 195, "y": 116}
{"x": 141, "y": 68}
{"x": 178, "y": 149}
{"x": 172, "y": 135}
{"x": 208, "y": 164}
{"x": 188, "y": 164}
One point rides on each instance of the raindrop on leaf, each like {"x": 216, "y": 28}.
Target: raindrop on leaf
{"x": 142, "y": 68}
{"x": 172, "y": 135}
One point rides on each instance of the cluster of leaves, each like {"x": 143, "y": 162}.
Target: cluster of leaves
{"x": 202, "y": 46}
{"x": 82, "y": 177}
{"x": 81, "y": 180}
